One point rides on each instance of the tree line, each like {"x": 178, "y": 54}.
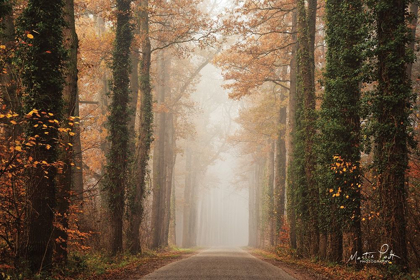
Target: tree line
{"x": 333, "y": 171}
{"x": 73, "y": 178}
{"x": 97, "y": 122}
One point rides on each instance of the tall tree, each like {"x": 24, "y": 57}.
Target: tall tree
{"x": 292, "y": 105}
{"x": 119, "y": 136}
{"x": 340, "y": 147}
{"x": 42, "y": 62}
{"x": 280, "y": 175}
{"x": 391, "y": 103}
{"x": 305, "y": 193}
{"x": 145, "y": 138}
{"x": 160, "y": 209}
{"x": 65, "y": 179}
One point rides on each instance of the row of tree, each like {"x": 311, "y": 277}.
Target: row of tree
{"x": 343, "y": 69}
{"x": 77, "y": 125}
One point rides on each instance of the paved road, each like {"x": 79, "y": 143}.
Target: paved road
{"x": 220, "y": 263}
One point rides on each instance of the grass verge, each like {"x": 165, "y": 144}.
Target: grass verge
{"x": 302, "y": 268}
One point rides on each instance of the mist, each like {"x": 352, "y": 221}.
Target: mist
{"x": 222, "y": 201}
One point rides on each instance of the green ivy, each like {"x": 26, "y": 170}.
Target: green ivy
{"x": 116, "y": 178}
{"x": 339, "y": 141}
{"x": 41, "y": 56}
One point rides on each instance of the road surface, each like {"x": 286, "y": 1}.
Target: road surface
{"x": 220, "y": 263}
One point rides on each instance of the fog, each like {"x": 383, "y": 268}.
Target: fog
{"x": 222, "y": 200}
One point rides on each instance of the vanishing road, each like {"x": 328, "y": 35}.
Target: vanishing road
{"x": 220, "y": 263}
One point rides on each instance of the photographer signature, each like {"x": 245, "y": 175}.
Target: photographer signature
{"x": 382, "y": 256}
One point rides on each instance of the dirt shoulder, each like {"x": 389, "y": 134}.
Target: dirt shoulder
{"x": 143, "y": 266}
{"x": 295, "y": 270}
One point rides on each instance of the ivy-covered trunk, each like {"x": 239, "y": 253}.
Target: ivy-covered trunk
{"x": 391, "y": 105}
{"x": 305, "y": 194}
{"x": 42, "y": 62}
{"x": 291, "y": 181}
{"x": 340, "y": 143}
{"x": 159, "y": 207}
{"x": 119, "y": 136}
{"x": 145, "y": 138}
{"x": 8, "y": 92}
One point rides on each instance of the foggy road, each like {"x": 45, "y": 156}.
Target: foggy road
{"x": 220, "y": 263}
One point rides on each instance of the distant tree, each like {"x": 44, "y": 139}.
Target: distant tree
{"x": 162, "y": 155}
{"x": 42, "y": 24}
{"x": 119, "y": 136}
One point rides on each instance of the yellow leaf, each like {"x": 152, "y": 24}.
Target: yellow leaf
{"x": 30, "y": 36}
{"x": 72, "y": 133}
{"x": 3, "y": 47}
{"x": 341, "y": 207}
{"x": 331, "y": 190}
{"x": 18, "y": 148}
{"x": 70, "y": 144}
{"x": 13, "y": 122}
{"x": 48, "y": 146}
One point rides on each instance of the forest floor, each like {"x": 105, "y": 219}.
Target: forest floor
{"x": 130, "y": 268}
{"x": 306, "y": 269}
{"x": 299, "y": 271}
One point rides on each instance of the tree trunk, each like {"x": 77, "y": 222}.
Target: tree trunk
{"x": 170, "y": 165}
{"x": 253, "y": 209}
{"x": 291, "y": 204}
{"x": 67, "y": 154}
{"x": 391, "y": 109}
{"x": 43, "y": 103}
{"x": 145, "y": 139}
{"x": 309, "y": 232}
{"x": 7, "y": 83}
{"x": 159, "y": 157}
{"x": 271, "y": 195}
{"x": 186, "y": 234}
{"x": 280, "y": 180}
{"x": 414, "y": 13}
{"x": 119, "y": 136}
